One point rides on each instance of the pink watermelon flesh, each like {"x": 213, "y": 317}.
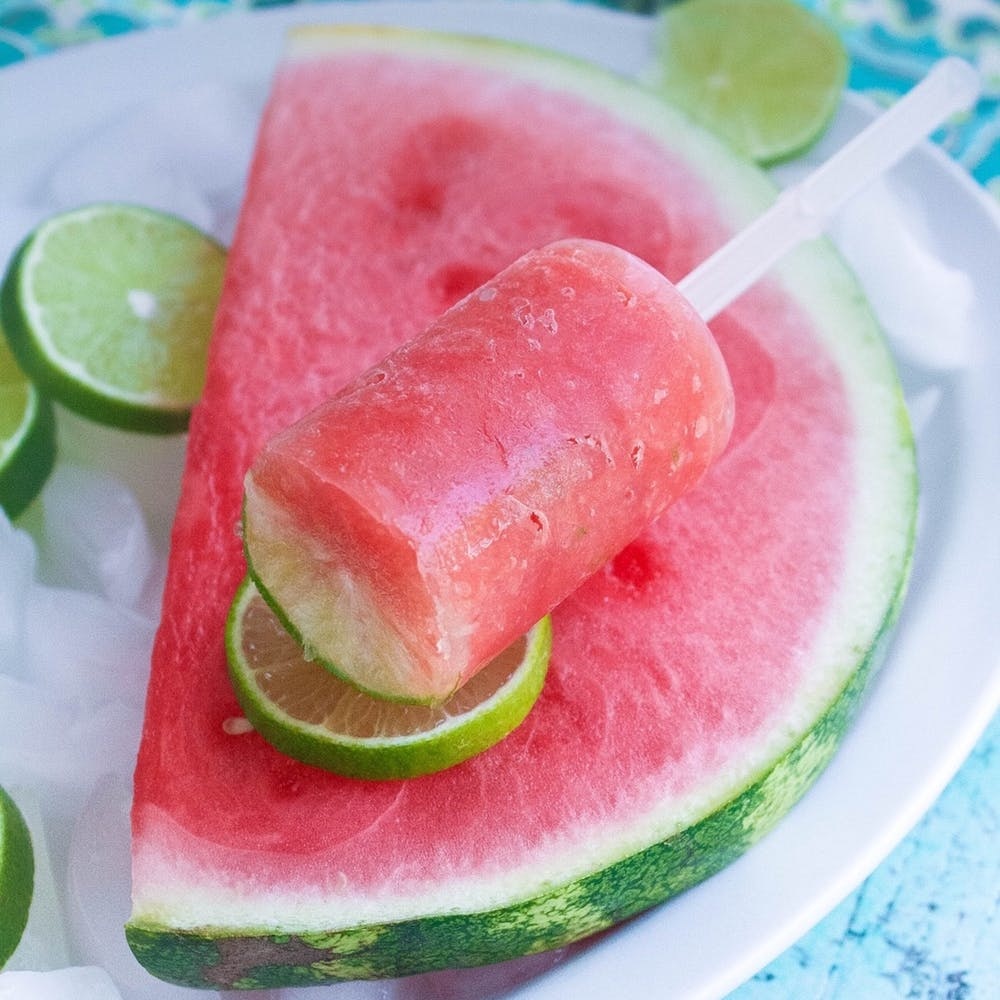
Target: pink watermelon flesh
{"x": 384, "y": 188}
{"x": 450, "y": 497}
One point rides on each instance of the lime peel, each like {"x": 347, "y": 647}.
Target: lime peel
{"x": 310, "y": 714}
{"x": 27, "y": 436}
{"x": 17, "y": 875}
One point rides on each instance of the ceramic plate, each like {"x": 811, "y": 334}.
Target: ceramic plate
{"x": 932, "y": 276}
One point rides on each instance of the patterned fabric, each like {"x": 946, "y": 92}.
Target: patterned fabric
{"x": 892, "y": 42}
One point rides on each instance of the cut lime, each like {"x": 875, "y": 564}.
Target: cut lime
{"x": 312, "y": 715}
{"x": 766, "y": 75}
{"x": 109, "y": 308}
{"x": 27, "y": 436}
{"x": 17, "y": 876}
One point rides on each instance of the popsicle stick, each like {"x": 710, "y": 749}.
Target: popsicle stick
{"x": 803, "y": 211}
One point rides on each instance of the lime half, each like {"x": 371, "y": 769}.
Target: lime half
{"x": 310, "y": 714}
{"x": 109, "y": 309}
{"x": 766, "y": 75}
{"x": 17, "y": 876}
{"x": 27, "y": 436}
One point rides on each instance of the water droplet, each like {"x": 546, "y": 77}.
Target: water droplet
{"x": 236, "y": 725}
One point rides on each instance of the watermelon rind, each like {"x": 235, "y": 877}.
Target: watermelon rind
{"x": 213, "y": 937}
{"x": 255, "y": 958}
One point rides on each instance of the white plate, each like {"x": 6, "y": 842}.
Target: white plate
{"x": 941, "y": 684}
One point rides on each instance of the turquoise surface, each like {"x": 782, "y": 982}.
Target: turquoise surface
{"x": 926, "y": 923}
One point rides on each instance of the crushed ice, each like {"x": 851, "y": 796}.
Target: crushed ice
{"x": 81, "y": 573}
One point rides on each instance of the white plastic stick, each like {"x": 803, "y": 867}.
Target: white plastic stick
{"x": 803, "y": 212}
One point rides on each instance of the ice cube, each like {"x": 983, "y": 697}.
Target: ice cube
{"x": 923, "y": 405}
{"x": 95, "y": 536}
{"x": 18, "y": 558}
{"x": 149, "y": 465}
{"x": 98, "y": 894}
{"x": 86, "y": 648}
{"x": 187, "y": 154}
{"x": 61, "y": 748}
{"x": 30, "y": 717}
{"x": 74, "y": 983}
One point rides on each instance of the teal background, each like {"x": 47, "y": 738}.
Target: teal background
{"x": 892, "y": 42}
{"x": 926, "y": 923}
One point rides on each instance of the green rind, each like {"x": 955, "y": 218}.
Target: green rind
{"x": 217, "y": 958}
{"x": 311, "y": 745}
{"x": 25, "y": 473}
{"x": 61, "y": 386}
{"x": 17, "y": 876}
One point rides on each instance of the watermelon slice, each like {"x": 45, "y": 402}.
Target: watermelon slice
{"x": 699, "y": 681}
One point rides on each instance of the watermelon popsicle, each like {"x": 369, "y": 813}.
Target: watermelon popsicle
{"x": 425, "y": 517}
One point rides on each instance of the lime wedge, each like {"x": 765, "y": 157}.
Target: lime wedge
{"x": 17, "y": 876}
{"x": 312, "y": 715}
{"x": 27, "y": 436}
{"x": 109, "y": 309}
{"x": 766, "y": 75}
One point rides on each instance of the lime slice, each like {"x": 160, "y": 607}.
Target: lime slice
{"x": 17, "y": 876}
{"x": 312, "y": 715}
{"x": 27, "y": 436}
{"x": 766, "y": 75}
{"x": 109, "y": 308}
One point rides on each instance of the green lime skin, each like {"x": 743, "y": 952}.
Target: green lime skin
{"x": 26, "y": 470}
{"x": 17, "y": 875}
